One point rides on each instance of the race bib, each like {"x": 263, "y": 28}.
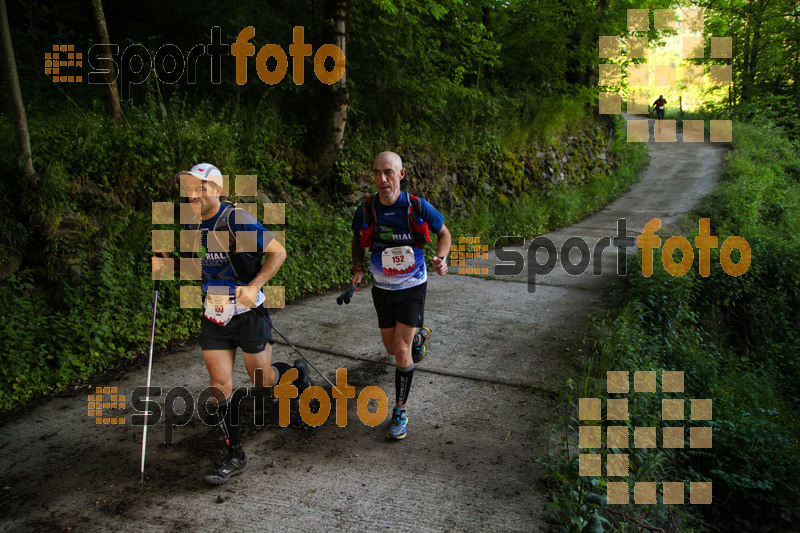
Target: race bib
{"x": 398, "y": 260}
{"x": 219, "y": 308}
{"x": 661, "y": 107}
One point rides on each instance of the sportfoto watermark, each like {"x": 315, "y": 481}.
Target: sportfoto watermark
{"x": 134, "y": 65}
{"x": 647, "y": 242}
{"x": 468, "y": 248}
{"x": 105, "y": 398}
{"x": 617, "y": 437}
{"x": 143, "y": 401}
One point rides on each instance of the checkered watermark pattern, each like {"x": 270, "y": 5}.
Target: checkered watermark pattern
{"x": 189, "y": 267}
{"x": 468, "y": 248}
{"x": 638, "y": 75}
{"x": 105, "y": 398}
{"x": 618, "y": 437}
{"x": 61, "y": 58}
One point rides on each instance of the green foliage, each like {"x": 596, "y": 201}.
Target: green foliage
{"x": 85, "y": 300}
{"x": 577, "y": 501}
{"x": 559, "y": 206}
{"x": 555, "y": 116}
{"x": 318, "y": 242}
{"x": 100, "y": 318}
{"x": 421, "y": 77}
{"x": 735, "y": 339}
{"x": 764, "y": 61}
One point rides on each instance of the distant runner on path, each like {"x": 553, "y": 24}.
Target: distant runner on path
{"x": 660, "y": 105}
{"x": 395, "y": 225}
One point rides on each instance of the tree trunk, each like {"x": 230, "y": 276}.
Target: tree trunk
{"x": 753, "y": 47}
{"x": 756, "y": 46}
{"x": 574, "y": 70}
{"x": 578, "y": 71}
{"x": 335, "y": 99}
{"x": 111, "y": 99}
{"x": 734, "y": 86}
{"x": 745, "y": 90}
{"x": 16, "y": 107}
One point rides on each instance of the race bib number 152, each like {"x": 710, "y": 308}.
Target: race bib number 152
{"x": 398, "y": 260}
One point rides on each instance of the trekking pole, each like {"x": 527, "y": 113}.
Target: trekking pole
{"x": 263, "y": 312}
{"x": 346, "y": 295}
{"x": 147, "y": 390}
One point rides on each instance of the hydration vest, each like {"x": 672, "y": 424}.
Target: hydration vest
{"x": 245, "y": 264}
{"x": 417, "y": 225}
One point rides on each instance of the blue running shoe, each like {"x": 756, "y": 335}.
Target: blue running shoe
{"x": 397, "y": 430}
{"x": 418, "y": 346}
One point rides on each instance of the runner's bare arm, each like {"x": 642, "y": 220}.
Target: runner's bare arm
{"x": 443, "y": 241}
{"x": 246, "y": 295}
{"x": 358, "y": 259}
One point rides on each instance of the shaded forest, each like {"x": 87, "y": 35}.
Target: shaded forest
{"x": 494, "y": 107}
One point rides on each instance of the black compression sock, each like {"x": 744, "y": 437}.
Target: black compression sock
{"x": 402, "y": 383}
{"x": 228, "y": 413}
{"x": 236, "y": 451}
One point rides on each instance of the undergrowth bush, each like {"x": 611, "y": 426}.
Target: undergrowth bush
{"x": 534, "y": 214}
{"x": 737, "y": 342}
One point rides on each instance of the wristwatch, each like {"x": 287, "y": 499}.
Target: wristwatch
{"x": 442, "y": 257}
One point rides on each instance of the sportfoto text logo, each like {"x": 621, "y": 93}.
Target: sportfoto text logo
{"x": 143, "y": 400}
{"x": 170, "y": 65}
{"x": 647, "y": 242}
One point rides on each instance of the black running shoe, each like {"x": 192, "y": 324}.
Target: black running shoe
{"x": 229, "y": 466}
{"x": 304, "y": 380}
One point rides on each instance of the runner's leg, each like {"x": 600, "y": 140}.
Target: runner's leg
{"x": 403, "y": 339}
{"x": 259, "y": 367}
{"x": 387, "y": 336}
{"x": 403, "y": 374}
{"x": 220, "y": 370}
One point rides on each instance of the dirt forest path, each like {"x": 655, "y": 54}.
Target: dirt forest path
{"x": 478, "y": 409}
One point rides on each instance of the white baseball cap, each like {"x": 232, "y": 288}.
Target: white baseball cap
{"x": 204, "y": 172}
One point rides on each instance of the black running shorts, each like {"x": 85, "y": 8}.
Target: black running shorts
{"x": 249, "y": 331}
{"x": 406, "y": 306}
